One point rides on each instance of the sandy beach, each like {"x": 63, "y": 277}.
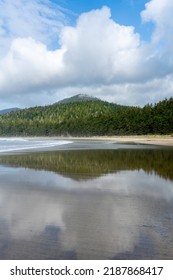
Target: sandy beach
{"x": 161, "y": 140}
{"x": 165, "y": 140}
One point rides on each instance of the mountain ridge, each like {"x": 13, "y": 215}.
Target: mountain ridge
{"x": 9, "y": 110}
{"x": 77, "y": 98}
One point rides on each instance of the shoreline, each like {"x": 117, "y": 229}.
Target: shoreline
{"x": 162, "y": 140}
{"x": 152, "y": 140}
{"x": 165, "y": 140}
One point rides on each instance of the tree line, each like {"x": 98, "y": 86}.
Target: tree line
{"x": 89, "y": 118}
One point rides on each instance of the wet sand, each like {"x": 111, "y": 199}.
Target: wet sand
{"x": 81, "y": 203}
{"x": 143, "y": 139}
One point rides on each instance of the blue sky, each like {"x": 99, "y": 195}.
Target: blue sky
{"x": 125, "y": 12}
{"x": 120, "y": 51}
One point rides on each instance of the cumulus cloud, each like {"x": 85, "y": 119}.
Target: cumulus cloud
{"x": 28, "y": 65}
{"x": 97, "y": 55}
{"x": 98, "y": 49}
{"x": 160, "y": 13}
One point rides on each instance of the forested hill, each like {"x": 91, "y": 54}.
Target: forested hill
{"x": 87, "y": 118}
{"x": 77, "y": 98}
{"x": 6, "y": 111}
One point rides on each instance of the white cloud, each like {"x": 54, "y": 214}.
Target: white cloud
{"x": 98, "y": 49}
{"x": 29, "y": 66}
{"x": 99, "y": 55}
{"x": 41, "y": 20}
{"x": 160, "y": 12}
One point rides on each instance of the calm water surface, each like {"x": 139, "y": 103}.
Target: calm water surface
{"x": 96, "y": 200}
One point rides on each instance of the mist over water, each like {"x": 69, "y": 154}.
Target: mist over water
{"x": 87, "y": 204}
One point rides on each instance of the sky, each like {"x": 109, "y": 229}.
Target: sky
{"x": 120, "y": 51}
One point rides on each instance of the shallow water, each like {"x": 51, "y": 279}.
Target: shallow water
{"x": 18, "y": 144}
{"x": 113, "y": 202}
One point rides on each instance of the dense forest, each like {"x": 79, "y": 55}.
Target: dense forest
{"x": 87, "y": 118}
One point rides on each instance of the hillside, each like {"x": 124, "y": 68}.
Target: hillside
{"x": 87, "y": 118}
{"x": 77, "y": 98}
{"x": 9, "y": 110}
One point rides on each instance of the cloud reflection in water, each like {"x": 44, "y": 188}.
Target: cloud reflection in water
{"x": 97, "y": 218}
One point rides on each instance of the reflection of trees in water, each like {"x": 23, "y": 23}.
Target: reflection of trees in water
{"x": 96, "y": 162}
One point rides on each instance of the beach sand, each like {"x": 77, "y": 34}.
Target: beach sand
{"x": 137, "y": 139}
